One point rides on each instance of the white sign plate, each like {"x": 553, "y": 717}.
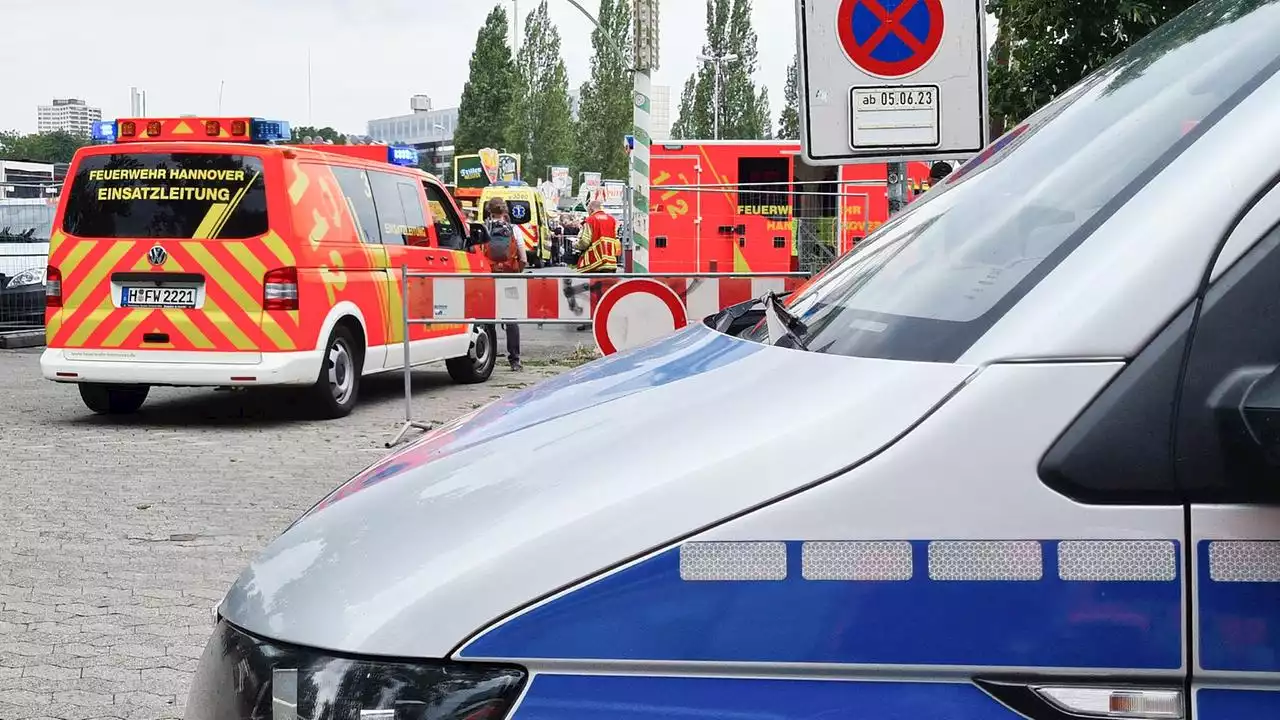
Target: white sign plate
{"x": 891, "y": 80}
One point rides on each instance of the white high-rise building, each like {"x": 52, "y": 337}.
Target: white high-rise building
{"x": 69, "y": 115}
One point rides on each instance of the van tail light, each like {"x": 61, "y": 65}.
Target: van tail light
{"x": 212, "y": 128}
{"x": 52, "y": 287}
{"x": 280, "y": 289}
{"x": 795, "y": 263}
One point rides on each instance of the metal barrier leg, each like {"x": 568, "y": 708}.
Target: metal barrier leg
{"x": 409, "y": 422}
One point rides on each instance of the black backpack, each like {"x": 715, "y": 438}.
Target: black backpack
{"x": 502, "y": 244}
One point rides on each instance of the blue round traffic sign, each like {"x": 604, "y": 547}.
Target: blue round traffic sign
{"x": 890, "y": 38}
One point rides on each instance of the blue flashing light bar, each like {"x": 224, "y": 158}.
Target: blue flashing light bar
{"x": 402, "y": 155}
{"x": 511, "y": 183}
{"x": 270, "y": 130}
{"x": 103, "y": 131}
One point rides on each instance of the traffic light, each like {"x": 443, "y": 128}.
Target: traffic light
{"x": 646, "y": 34}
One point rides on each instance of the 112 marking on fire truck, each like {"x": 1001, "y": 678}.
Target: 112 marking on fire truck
{"x": 891, "y": 79}
{"x": 203, "y": 252}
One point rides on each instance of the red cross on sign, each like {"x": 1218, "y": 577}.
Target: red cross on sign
{"x": 890, "y": 38}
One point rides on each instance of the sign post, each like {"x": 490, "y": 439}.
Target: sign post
{"x": 891, "y": 81}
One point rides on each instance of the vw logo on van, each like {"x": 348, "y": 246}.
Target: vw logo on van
{"x": 157, "y": 256}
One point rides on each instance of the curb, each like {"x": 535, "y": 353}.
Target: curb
{"x": 22, "y": 339}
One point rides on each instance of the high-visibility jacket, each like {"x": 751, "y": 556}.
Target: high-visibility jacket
{"x": 599, "y": 243}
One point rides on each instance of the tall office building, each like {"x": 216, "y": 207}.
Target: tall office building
{"x": 69, "y": 115}
{"x": 426, "y": 128}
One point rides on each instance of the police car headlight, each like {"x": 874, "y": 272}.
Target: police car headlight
{"x": 34, "y": 276}
{"x": 242, "y": 677}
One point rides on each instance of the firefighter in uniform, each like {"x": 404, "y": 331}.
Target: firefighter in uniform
{"x": 599, "y": 247}
{"x": 598, "y": 243}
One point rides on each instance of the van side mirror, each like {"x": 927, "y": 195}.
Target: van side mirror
{"x": 479, "y": 235}
{"x": 1261, "y": 412}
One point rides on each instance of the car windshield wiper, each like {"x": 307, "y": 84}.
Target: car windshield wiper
{"x": 781, "y": 322}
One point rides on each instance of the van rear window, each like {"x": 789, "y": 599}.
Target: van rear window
{"x": 167, "y": 195}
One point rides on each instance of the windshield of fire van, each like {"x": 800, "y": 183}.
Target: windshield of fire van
{"x": 931, "y": 282}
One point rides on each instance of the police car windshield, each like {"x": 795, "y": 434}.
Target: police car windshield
{"x": 931, "y": 282}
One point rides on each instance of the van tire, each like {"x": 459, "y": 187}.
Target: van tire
{"x": 477, "y": 365}
{"x": 106, "y": 399}
{"x": 337, "y": 387}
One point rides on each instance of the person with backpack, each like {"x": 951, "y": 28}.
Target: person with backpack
{"x": 506, "y": 255}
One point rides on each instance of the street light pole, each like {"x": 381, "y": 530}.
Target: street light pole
{"x": 718, "y": 60}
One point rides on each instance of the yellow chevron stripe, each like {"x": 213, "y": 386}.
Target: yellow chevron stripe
{"x": 89, "y": 323}
{"x": 55, "y": 240}
{"x": 226, "y": 326}
{"x": 235, "y": 203}
{"x": 245, "y": 257}
{"x": 53, "y": 326}
{"x": 99, "y": 273}
{"x": 73, "y": 259}
{"x": 182, "y": 322}
{"x": 211, "y": 220}
{"x": 278, "y": 248}
{"x": 275, "y": 333}
{"x": 395, "y": 311}
{"x": 224, "y": 279}
{"x": 126, "y": 328}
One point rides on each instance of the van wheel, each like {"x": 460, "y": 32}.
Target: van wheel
{"x": 113, "y": 399}
{"x": 336, "y": 390}
{"x": 477, "y": 365}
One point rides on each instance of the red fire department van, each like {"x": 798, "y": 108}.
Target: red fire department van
{"x": 735, "y": 206}
{"x": 200, "y": 252}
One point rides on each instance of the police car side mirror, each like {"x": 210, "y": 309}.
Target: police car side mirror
{"x": 479, "y": 235}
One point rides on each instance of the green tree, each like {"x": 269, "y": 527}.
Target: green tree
{"x": 744, "y": 112}
{"x": 1043, "y": 47}
{"x": 485, "y": 113}
{"x": 605, "y": 109}
{"x": 324, "y": 133}
{"x": 542, "y": 130}
{"x": 789, "y": 120}
{"x": 49, "y": 147}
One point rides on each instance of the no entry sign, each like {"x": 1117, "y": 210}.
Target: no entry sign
{"x": 635, "y": 312}
{"x": 891, "y": 79}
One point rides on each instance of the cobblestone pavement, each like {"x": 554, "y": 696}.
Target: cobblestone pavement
{"x": 117, "y": 536}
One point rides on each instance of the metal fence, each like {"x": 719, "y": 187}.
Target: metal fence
{"x": 767, "y": 226}
{"x": 26, "y": 223}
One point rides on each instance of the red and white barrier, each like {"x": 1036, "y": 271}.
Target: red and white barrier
{"x": 626, "y": 310}
{"x": 435, "y": 298}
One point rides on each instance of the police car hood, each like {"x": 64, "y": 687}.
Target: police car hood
{"x": 559, "y": 482}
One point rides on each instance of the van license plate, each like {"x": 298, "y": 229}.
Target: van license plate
{"x": 158, "y": 297}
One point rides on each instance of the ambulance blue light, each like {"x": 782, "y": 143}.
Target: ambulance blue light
{"x": 270, "y": 130}
{"x": 402, "y": 155}
{"x": 103, "y": 131}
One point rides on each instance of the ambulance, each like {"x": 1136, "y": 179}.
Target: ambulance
{"x": 1014, "y": 457}
{"x": 527, "y": 211}
{"x": 202, "y": 252}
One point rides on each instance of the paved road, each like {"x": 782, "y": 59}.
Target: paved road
{"x": 117, "y": 536}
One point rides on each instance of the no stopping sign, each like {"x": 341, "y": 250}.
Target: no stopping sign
{"x": 635, "y": 312}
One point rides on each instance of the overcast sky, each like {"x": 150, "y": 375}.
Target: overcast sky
{"x": 367, "y": 56}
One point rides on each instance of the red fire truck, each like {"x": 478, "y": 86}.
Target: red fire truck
{"x": 756, "y": 206}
